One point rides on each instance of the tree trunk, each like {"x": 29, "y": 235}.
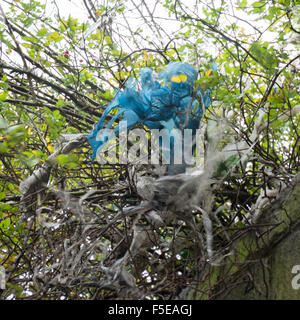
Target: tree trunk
{"x": 264, "y": 261}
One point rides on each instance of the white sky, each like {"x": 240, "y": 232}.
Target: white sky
{"x": 75, "y": 9}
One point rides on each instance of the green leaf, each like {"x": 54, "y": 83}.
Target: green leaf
{"x": 107, "y": 39}
{"x": 42, "y": 32}
{"x": 56, "y": 114}
{"x": 243, "y": 3}
{"x": 3, "y": 123}
{"x": 258, "y": 4}
{"x": 15, "y": 135}
{"x": 4, "y": 224}
{"x": 16, "y": 288}
{"x": 224, "y": 166}
{"x": 55, "y": 36}
{"x": 30, "y": 159}
{"x": 68, "y": 160}
{"x": 4, "y": 147}
{"x": 3, "y": 96}
{"x": 27, "y": 45}
{"x": 4, "y": 207}
{"x": 107, "y": 95}
{"x": 29, "y": 39}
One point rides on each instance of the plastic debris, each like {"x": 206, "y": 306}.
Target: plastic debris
{"x": 174, "y": 104}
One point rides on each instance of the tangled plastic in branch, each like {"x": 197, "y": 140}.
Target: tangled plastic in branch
{"x": 173, "y": 104}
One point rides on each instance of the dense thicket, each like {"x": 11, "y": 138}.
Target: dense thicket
{"x": 65, "y": 229}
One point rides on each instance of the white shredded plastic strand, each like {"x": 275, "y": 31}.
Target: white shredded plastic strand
{"x": 208, "y": 227}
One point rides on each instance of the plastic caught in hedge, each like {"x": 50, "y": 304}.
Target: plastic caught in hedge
{"x": 173, "y": 104}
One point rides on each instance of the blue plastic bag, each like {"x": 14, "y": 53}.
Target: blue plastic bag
{"x": 171, "y": 105}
